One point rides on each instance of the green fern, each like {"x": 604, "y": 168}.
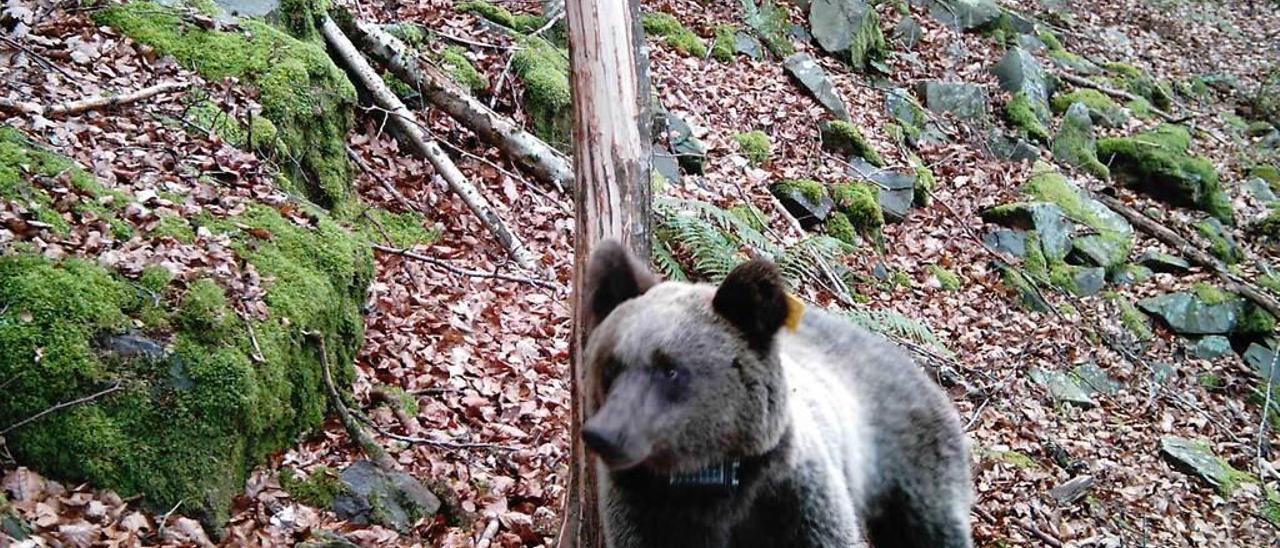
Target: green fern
{"x": 896, "y": 325}
{"x": 667, "y": 263}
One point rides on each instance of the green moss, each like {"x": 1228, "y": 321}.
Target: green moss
{"x": 755, "y": 146}
{"x": 260, "y": 134}
{"x": 1020, "y": 112}
{"x": 1220, "y": 243}
{"x": 1256, "y": 322}
{"x": 1051, "y": 40}
{"x": 1270, "y": 281}
{"x": 1268, "y": 173}
{"x": 1157, "y": 162}
{"x": 808, "y": 188}
{"x": 1258, "y": 128}
{"x": 411, "y": 34}
{"x": 677, "y": 36}
{"x": 1141, "y": 108}
{"x": 1141, "y": 84}
{"x": 303, "y": 94}
{"x": 502, "y": 16}
{"x": 1015, "y": 458}
{"x": 190, "y": 425}
{"x": 155, "y": 279}
{"x": 1130, "y": 317}
{"x": 751, "y": 215}
{"x": 839, "y": 227}
{"x": 1211, "y": 295}
{"x": 1074, "y": 144}
{"x": 28, "y": 173}
{"x": 460, "y": 69}
{"x": 845, "y": 138}
{"x": 318, "y": 490}
{"x": 725, "y": 44}
{"x": 900, "y": 278}
{"x": 1092, "y": 98}
{"x": 301, "y": 17}
{"x": 176, "y": 227}
{"x": 868, "y": 47}
{"x": 860, "y": 203}
{"x": 403, "y": 230}
{"x": 544, "y": 69}
{"x": 925, "y": 183}
{"x": 1211, "y": 382}
{"x": 399, "y": 87}
{"x": 948, "y": 279}
{"x": 772, "y": 24}
{"x": 1271, "y": 506}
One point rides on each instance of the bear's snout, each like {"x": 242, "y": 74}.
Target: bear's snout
{"x": 613, "y": 443}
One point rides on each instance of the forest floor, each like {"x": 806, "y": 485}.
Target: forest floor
{"x": 486, "y": 360}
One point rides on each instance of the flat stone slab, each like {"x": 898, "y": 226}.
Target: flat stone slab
{"x": 806, "y": 70}
{"x": 1186, "y": 314}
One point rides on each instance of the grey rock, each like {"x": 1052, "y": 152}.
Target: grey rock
{"x": 919, "y": 128}
{"x": 1075, "y": 143}
{"x": 1087, "y": 280}
{"x": 1031, "y": 42}
{"x": 1072, "y": 490}
{"x": 1219, "y": 233}
{"x": 1048, "y": 220}
{"x": 1013, "y": 242}
{"x": 967, "y": 102}
{"x": 391, "y": 499}
{"x": 1022, "y": 23}
{"x": 249, "y": 8}
{"x": 965, "y": 15}
{"x": 665, "y": 164}
{"x": 747, "y": 44}
{"x": 804, "y": 69}
{"x": 1161, "y": 373}
{"x": 131, "y": 346}
{"x": 1212, "y": 346}
{"x": 15, "y": 527}
{"x": 835, "y": 23}
{"x": 1018, "y": 71}
{"x": 326, "y": 539}
{"x": 1098, "y": 250}
{"x": 1196, "y": 456}
{"x": 1129, "y": 274}
{"x": 1187, "y": 314}
{"x": 799, "y": 33}
{"x": 1063, "y": 387}
{"x": 689, "y": 151}
{"x": 1075, "y": 63}
{"x": 1263, "y": 360}
{"x": 896, "y": 188}
{"x": 908, "y": 30}
{"x": 1260, "y": 190}
{"x": 804, "y": 208}
{"x": 1012, "y": 148}
{"x": 1163, "y": 262}
{"x": 1095, "y": 380}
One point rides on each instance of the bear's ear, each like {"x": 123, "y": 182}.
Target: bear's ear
{"x": 613, "y": 276}
{"x": 754, "y": 300}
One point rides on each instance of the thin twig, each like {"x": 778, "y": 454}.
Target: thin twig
{"x": 464, "y": 272}
{"x": 442, "y": 444}
{"x": 1266, "y": 411}
{"x": 486, "y": 537}
{"x": 40, "y": 58}
{"x": 63, "y": 405}
{"x": 469, "y": 41}
{"x": 1046, "y": 537}
{"x": 164, "y": 521}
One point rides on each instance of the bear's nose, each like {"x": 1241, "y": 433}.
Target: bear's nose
{"x": 602, "y": 442}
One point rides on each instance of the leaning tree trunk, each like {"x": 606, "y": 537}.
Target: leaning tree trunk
{"x": 611, "y": 147}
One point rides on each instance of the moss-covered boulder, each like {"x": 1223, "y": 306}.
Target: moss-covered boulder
{"x": 1158, "y": 163}
{"x": 1025, "y": 116}
{"x": 675, "y": 34}
{"x": 847, "y": 140}
{"x": 1075, "y": 145}
{"x": 805, "y": 199}
{"x": 522, "y": 23}
{"x": 194, "y": 386}
{"x": 755, "y": 146}
{"x": 1140, "y": 83}
{"x": 1102, "y": 109}
{"x": 724, "y": 47}
{"x": 849, "y": 29}
{"x": 544, "y": 70}
{"x": 307, "y": 98}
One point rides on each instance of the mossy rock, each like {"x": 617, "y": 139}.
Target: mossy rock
{"x": 947, "y": 279}
{"x": 456, "y": 64}
{"x": 1158, "y": 163}
{"x": 755, "y": 145}
{"x": 200, "y": 400}
{"x": 1141, "y": 84}
{"x": 859, "y": 202}
{"x": 677, "y": 36}
{"x": 544, "y": 69}
{"x": 522, "y": 23}
{"x": 26, "y": 175}
{"x": 306, "y": 97}
{"x": 725, "y": 45}
{"x": 1102, "y": 108}
{"x": 1021, "y": 113}
{"x": 846, "y": 139}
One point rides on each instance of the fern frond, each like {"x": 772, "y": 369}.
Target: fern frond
{"x": 894, "y": 324}
{"x": 666, "y": 262}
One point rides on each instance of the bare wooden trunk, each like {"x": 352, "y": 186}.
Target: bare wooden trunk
{"x": 611, "y": 146}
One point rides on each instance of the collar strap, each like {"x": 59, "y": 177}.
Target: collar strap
{"x": 717, "y": 477}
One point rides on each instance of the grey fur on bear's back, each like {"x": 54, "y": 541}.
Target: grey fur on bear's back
{"x": 896, "y": 449}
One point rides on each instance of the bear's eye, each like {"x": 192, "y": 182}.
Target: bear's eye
{"x": 669, "y": 371}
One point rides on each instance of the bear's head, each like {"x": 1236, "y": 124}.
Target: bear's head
{"x": 681, "y": 376}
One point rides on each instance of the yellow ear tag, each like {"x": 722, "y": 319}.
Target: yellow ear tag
{"x": 795, "y": 311}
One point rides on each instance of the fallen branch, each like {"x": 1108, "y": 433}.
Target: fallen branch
{"x": 486, "y": 537}
{"x": 91, "y": 103}
{"x": 1043, "y": 536}
{"x": 61, "y": 406}
{"x": 418, "y": 142}
{"x": 1193, "y": 252}
{"x": 430, "y": 442}
{"x": 370, "y": 446}
{"x": 464, "y": 272}
{"x": 528, "y": 152}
